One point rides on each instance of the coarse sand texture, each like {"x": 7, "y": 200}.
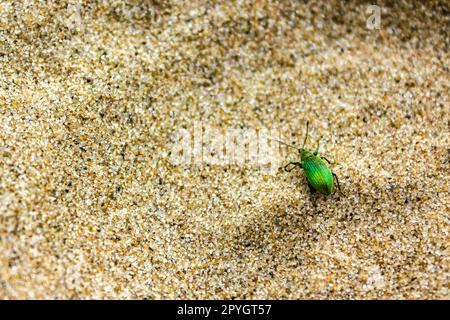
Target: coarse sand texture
{"x": 94, "y": 96}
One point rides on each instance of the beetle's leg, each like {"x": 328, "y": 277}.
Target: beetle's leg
{"x": 339, "y": 186}
{"x": 326, "y": 160}
{"x": 317, "y": 149}
{"x": 311, "y": 188}
{"x": 295, "y": 164}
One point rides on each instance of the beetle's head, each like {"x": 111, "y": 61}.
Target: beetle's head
{"x": 304, "y": 153}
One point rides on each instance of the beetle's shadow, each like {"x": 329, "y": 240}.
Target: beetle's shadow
{"x": 302, "y": 235}
{"x": 285, "y": 230}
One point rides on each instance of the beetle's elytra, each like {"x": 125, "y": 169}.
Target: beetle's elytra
{"x": 319, "y": 176}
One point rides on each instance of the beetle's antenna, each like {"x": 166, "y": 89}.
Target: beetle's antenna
{"x": 286, "y": 144}
{"x": 306, "y": 136}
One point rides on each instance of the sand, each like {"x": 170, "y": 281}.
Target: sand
{"x": 92, "y": 204}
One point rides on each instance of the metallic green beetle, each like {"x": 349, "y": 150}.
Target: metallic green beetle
{"x": 319, "y": 176}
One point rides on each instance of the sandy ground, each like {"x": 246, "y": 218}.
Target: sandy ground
{"x": 92, "y": 95}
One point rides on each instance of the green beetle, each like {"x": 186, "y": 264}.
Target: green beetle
{"x": 319, "y": 176}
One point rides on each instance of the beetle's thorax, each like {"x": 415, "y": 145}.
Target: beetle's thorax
{"x": 305, "y": 154}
